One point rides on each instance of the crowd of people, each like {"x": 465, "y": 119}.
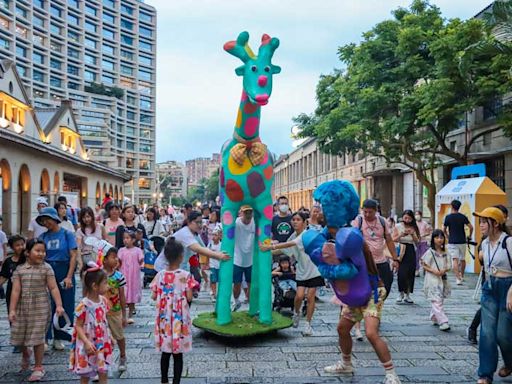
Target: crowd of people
{"x": 41, "y": 280}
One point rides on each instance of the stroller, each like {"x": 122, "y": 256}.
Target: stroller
{"x": 284, "y": 299}
{"x": 150, "y": 258}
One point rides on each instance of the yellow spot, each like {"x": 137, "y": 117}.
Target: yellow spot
{"x": 267, "y": 242}
{"x": 250, "y": 52}
{"x": 239, "y": 118}
{"x": 236, "y": 169}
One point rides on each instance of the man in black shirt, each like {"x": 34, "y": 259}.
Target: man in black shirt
{"x": 455, "y": 229}
{"x": 282, "y": 222}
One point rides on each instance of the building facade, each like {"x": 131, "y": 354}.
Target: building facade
{"x": 201, "y": 168}
{"x": 43, "y": 154}
{"x": 174, "y": 175}
{"x": 101, "y": 55}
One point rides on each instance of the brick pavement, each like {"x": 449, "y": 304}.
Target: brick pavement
{"x": 421, "y": 352}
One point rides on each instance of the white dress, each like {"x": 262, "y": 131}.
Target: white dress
{"x": 434, "y": 287}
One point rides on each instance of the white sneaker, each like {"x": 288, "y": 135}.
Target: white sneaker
{"x": 358, "y": 335}
{"x": 296, "y": 319}
{"x": 308, "y": 331}
{"x": 58, "y": 345}
{"x": 444, "y": 327}
{"x": 392, "y": 378}
{"x": 408, "y": 300}
{"x": 340, "y": 367}
{"x": 236, "y": 306}
{"x": 458, "y": 281}
{"x": 122, "y": 364}
{"x": 400, "y": 299}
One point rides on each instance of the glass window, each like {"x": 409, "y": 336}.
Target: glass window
{"x": 21, "y": 51}
{"x": 89, "y": 59}
{"x": 147, "y": 119}
{"x": 107, "y": 17}
{"x": 126, "y": 70}
{"x": 130, "y": 116}
{"x": 37, "y": 58}
{"x": 126, "y": 40}
{"x": 4, "y": 43}
{"x": 130, "y": 145}
{"x": 37, "y": 21}
{"x": 108, "y": 49}
{"x": 38, "y": 76}
{"x": 20, "y": 31}
{"x": 145, "y": 32}
{"x": 55, "y": 64}
{"x": 22, "y": 71}
{"x": 145, "y": 148}
{"x": 38, "y": 39}
{"x": 126, "y": 54}
{"x": 55, "y": 29}
{"x": 74, "y": 53}
{"x": 73, "y": 70}
{"x": 126, "y": 9}
{"x": 105, "y": 64}
{"x": 21, "y": 12}
{"x": 144, "y": 75}
{"x": 145, "y": 46}
{"x": 72, "y": 85}
{"x": 145, "y": 60}
{"x": 108, "y": 34}
{"x": 107, "y": 79}
{"x": 55, "y": 82}
{"x": 73, "y": 3}
{"x": 130, "y": 100}
{"x": 90, "y": 10}
{"x": 73, "y": 36}
{"x": 90, "y": 27}
{"x": 145, "y": 17}
{"x": 56, "y": 47}
{"x": 145, "y": 103}
{"x": 4, "y": 23}
{"x": 55, "y": 11}
{"x": 38, "y": 3}
{"x": 108, "y": 3}
{"x": 89, "y": 76}
{"x": 90, "y": 43}
{"x": 72, "y": 19}
{"x": 127, "y": 24}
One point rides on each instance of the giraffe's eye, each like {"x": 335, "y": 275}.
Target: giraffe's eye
{"x": 267, "y": 69}
{"x": 253, "y": 68}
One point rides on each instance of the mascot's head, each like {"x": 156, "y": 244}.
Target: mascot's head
{"x": 340, "y": 202}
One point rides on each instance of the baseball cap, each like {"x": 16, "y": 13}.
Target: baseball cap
{"x": 492, "y": 213}
{"x": 246, "y": 208}
{"x": 42, "y": 200}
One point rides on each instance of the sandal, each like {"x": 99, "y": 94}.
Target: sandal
{"x": 37, "y": 374}
{"x": 504, "y": 371}
{"x": 484, "y": 380}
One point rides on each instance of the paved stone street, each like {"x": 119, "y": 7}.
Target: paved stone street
{"x": 420, "y": 351}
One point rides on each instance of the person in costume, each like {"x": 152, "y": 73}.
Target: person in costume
{"x": 336, "y": 251}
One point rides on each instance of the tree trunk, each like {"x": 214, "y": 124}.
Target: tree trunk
{"x": 431, "y": 191}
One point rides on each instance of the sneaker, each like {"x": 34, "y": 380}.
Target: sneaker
{"x": 340, "y": 367}
{"x": 122, "y": 364}
{"x": 358, "y": 335}
{"x": 444, "y": 327}
{"x": 400, "y": 299}
{"x": 295, "y": 320}
{"x": 308, "y": 331}
{"x": 95, "y": 379}
{"x": 236, "y": 306}
{"x": 392, "y": 378}
{"x": 458, "y": 281}
{"x": 130, "y": 321}
{"x": 408, "y": 300}
{"x": 435, "y": 323}
{"x": 58, "y": 345}
{"x": 471, "y": 334}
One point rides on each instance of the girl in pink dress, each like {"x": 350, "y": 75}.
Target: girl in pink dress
{"x": 172, "y": 290}
{"x": 91, "y": 344}
{"x": 132, "y": 260}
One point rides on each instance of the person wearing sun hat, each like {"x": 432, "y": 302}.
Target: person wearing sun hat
{"x": 496, "y": 300}
{"x": 34, "y": 229}
{"x": 61, "y": 254}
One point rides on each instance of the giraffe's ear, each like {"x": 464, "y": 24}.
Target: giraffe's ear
{"x": 276, "y": 69}
{"x": 240, "y": 70}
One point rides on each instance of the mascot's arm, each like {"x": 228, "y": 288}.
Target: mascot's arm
{"x": 344, "y": 271}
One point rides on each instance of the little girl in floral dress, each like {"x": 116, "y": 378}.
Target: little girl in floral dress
{"x": 91, "y": 345}
{"x": 172, "y": 290}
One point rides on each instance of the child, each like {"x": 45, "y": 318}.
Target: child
{"x": 286, "y": 274}
{"x": 30, "y": 310}
{"x": 172, "y": 289}
{"x": 116, "y": 316}
{"x": 215, "y": 245}
{"x": 436, "y": 286}
{"x": 132, "y": 259}
{"x": 91, "y": 344}
{"x": 112, "y": 222}
{"x": 17, "y": 244}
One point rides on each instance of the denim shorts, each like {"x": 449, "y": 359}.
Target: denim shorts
{"x": 238, "y": 272}
{"x": 214, "y": 275}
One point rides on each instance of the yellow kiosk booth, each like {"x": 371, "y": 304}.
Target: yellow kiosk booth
{"x": 475, "y": 194}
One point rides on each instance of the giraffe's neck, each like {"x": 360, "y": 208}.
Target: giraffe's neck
{"x": 247, "y": 124}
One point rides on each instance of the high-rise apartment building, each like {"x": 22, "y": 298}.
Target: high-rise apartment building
{"x": 201, "y": 168}
{"x": 174, "y": 175}
{"x": 101, "y": 55}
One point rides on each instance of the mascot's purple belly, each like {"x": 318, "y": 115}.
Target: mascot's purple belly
{"x": 349, "y": 245}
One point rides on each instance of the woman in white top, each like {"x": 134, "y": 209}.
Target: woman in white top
{"x": 88, "y": 227}
{"x": 307, "y": 274}
{"x": 496, "y": 298}
{"x": 152, "y": 225}
{"x": 61, "y": 208}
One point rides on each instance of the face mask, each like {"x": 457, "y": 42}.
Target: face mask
{"x": 417, "y": 217}
{"x": 283, "y": 208}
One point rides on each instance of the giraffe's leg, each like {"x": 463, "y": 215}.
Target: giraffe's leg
{"x": 264, "y": 260}
{"x": 254, "y": 304}
{"x": 223, "y": 305}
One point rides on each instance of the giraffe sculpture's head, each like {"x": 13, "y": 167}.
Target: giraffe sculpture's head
{"x": 256, "y": 70}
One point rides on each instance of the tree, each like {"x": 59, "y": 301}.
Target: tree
{"x": 212, "y": 186}
{"x": 402, "y": 92}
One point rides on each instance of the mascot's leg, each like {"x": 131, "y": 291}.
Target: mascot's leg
{"x": 264, "y": 259}
{"x": 229, "y": 214}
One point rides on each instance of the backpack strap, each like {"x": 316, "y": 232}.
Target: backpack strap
{"x": 360, "y": 221}
{"x": 504, "y": 245}
{"x": 383, "y": 223}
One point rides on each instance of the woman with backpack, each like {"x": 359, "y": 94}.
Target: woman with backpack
{"x": 152, "y": 225}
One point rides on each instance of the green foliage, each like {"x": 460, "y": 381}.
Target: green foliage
{"x": 101, "y": 89}
{"x": 178, "y": 201}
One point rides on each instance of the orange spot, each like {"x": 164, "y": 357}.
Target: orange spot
{"x": 268, "y": 172}
{"x": 239, "y": 118}
{"x": 229, "y": 45}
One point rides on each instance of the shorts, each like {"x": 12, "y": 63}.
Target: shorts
{"x": 239, "y": 271}
{"x": 115, "y": 323}
{"x": 457, "y": 251}
{"x": 214, "y": 275}
{"x": 371, "y": 309}
{"x": 312, "y": 283}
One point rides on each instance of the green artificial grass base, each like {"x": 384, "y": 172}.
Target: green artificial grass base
{"x": 242, "y": 324}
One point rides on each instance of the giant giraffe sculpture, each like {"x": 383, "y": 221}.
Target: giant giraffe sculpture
{"x": 246, "y": 177}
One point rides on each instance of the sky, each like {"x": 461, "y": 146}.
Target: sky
{"x": 198, "y": 91}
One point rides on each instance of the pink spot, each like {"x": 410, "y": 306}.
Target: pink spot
{"x": 265, "y": 159}
{"x": 258, "y": 231}
{"x": 268, "y": 212}
{"x": 265, "y": 39}
{"x": 244, "y": 96}
{"x": 227, "y": 219}
{"x": 250, "y": 108}
{"x": 262, "y": 80}
{"x": 251, "y": 126}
